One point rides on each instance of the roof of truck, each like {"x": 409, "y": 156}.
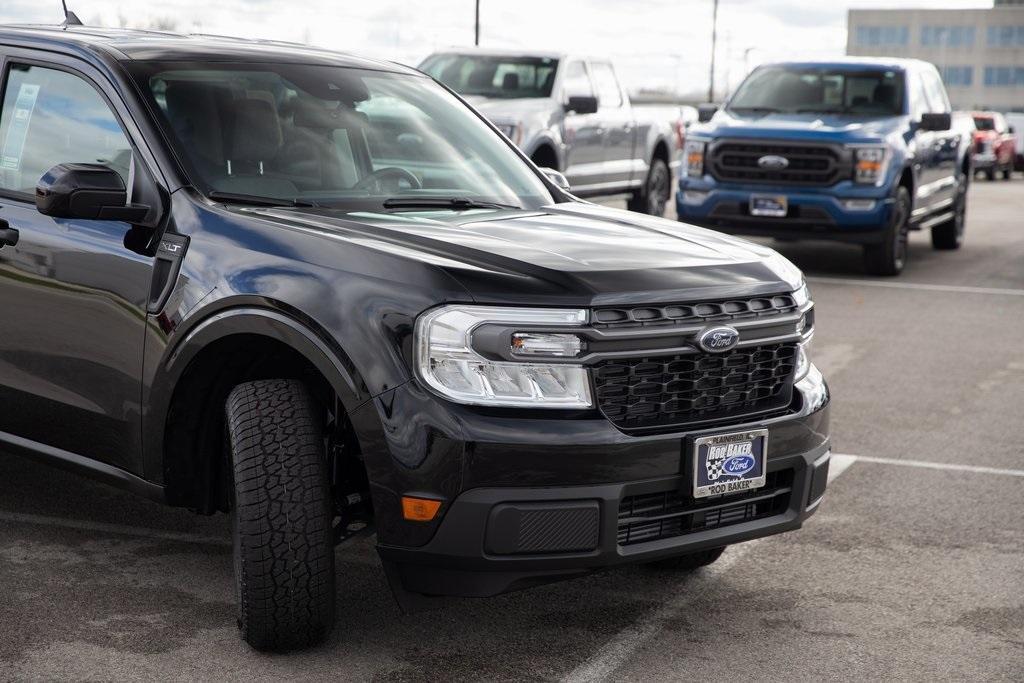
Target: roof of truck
{"x": 133, "y": 44}
{"x": 896, "y": 63}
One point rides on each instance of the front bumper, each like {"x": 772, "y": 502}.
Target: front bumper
{"x": 984, "y": 161}
{"x": 497, "y": 536}
{"x": 813, "y": 213}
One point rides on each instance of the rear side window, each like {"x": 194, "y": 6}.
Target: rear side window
{"x": 51, "y": 117}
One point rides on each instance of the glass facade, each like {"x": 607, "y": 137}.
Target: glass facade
{"x": 957, "y": 76}
{"x": 1006, "y": 36}
{"x": 882, "y": 35}
{"x": 947, "y": 36}
{"x": 1004, "y": 76}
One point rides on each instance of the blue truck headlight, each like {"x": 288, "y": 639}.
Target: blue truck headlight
{"x": 447, "y": 363}
{"x": 693, "y": 157}
{"x": 869, "y": 164}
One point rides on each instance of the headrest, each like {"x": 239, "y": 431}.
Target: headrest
{"x": 510, "y": 82}
{"x": 194, "y": 110}
{"x": 256, "y": 133}
{"x": 885, "y": 93}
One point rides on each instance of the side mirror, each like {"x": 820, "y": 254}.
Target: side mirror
{"x": 560, "y": 181}
{"x": 582, "y": 104}
{"x": 705, "y": 112}
{"x": 1011, "y": 130}
{"x": 936, "y": 121}
{"x": 88, "y": 191}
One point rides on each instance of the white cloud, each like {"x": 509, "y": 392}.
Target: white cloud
{"x": 661, "y": 43}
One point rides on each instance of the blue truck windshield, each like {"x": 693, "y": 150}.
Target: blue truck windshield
{"x": 780, "y": 89}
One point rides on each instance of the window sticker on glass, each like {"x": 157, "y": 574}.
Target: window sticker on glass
{"x": 14, "y": 143}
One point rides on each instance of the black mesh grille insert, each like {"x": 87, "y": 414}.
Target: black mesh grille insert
{"x": 676, "y": 314}
{"x": 653, "y": 516}
{"x": 662, "y": 391}
{"x": 807, "y": 164}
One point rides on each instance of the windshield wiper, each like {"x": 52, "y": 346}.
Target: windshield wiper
{"x": 257, "y": 200}
{"x": 820, "y": 110}
{"x": 756, "y": 110}
{"x": 456, "y": 203}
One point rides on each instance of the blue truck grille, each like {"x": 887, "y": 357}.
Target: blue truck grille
{"x": 806, "y": 164}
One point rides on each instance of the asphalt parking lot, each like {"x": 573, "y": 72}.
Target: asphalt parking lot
{"x": 912, "y": 570}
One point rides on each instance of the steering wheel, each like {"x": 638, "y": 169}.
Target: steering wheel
{"x": 375, "y": 180}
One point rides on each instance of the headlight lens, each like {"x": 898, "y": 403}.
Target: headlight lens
{"x": 694, "y": 157}
{"x": 869, "y": 164}
{"x": 803, "y": 359}
{"x": 447, "y": 363}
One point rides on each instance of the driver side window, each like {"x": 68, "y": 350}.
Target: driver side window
{"x": 576, "y": 82}
{"x": 51, "y": 117}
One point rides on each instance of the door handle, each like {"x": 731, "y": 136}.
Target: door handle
{"x": 8, "y": 235}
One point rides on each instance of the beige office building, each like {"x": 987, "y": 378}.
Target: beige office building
{"x": 980, "y": 52}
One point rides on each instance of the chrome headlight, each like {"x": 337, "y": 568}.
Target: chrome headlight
{"x": 802, "y": 297}
{"x": 693, "y": 157}
{"x": 869, "y": 164}
{"x": 447, "y": 362}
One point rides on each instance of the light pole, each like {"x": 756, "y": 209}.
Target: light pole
{"x": 714, "y": 40}
{"x": 476, "y": 26}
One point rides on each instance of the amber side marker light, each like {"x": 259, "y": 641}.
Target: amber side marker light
{"x": 419, "y": 509}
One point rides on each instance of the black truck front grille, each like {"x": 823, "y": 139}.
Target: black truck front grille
{"x": 805, "y": 164}
{"x": 666, "y": 514}
{"x": 678, "y": 314}
{"x": 691, "y": 389}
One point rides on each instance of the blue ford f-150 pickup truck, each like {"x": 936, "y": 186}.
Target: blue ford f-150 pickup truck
{"x": 857, "y": 150}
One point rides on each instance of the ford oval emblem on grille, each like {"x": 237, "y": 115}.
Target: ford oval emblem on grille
{"x": 773, "y": 162}
{"x": 718, "y": 339}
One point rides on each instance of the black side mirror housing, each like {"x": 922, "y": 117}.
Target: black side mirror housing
{"x": 705, "y": 112}
{"x": 87, "y": 191}
{"x": 943, "y": 121}
{"x": 582, "y": 104}
{"x": 1011, "y": 130}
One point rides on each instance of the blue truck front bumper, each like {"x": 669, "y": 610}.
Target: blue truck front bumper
{"x": 844, "y": 212}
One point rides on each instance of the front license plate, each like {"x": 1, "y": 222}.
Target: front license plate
{"x": 774, "y": 205}
{"x": 729, "y": 463}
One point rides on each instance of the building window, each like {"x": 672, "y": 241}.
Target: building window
{"x": 957, "y": 76}
{"x": 1004, "y": 76}
{"x": 1005, "y": 36}
{"x": 947, "y": 36}
{"x": 882, "y": 35}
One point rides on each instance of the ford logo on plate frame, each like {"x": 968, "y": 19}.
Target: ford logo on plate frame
{"x": 718, "y": 339}
{"x": 773, "y": 162}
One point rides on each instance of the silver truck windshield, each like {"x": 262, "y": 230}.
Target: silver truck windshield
{"x": 491, "y": 76}
{"x": 797, "y": 90}
{"x": 332, "y": 136}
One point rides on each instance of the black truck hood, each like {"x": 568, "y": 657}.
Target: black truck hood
{"x": 574, "y": 252}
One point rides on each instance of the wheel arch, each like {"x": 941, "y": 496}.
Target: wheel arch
{"x": 184, "y": 432}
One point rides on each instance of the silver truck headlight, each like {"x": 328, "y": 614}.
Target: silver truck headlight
{"x": 447, "y": 363}
{"x": 803, "y": 358}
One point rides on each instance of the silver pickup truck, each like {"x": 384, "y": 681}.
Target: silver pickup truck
{"x": 571, "y": 114}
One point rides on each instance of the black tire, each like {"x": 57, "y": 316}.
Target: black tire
{"x": 1007, "y": 172}
{"x": 990, "y": 174}
{"x": 950, "y": 235}
{"x": 888, "y": 257}
{"x": 688, "y": 563}
{"x": 653, "y": 198}
{"x": 280, "y": 516}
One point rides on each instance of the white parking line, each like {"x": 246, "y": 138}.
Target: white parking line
{"x": 975, "y": 469}
{"x": 957, "y": 289}
{"x": 626, "y": 642}
{"x": 623, "y": 645}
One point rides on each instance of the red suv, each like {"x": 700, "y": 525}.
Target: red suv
{"x": 994, "y": 144}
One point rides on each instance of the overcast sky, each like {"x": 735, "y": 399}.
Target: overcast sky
{"x": 655, "y": 43}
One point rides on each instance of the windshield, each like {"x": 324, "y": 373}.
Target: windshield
{"x": 782, "y": 89}
{"x": 494, "y": 76}
{"x": 332, "y": 136}
{"x": 984, "y": 123}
